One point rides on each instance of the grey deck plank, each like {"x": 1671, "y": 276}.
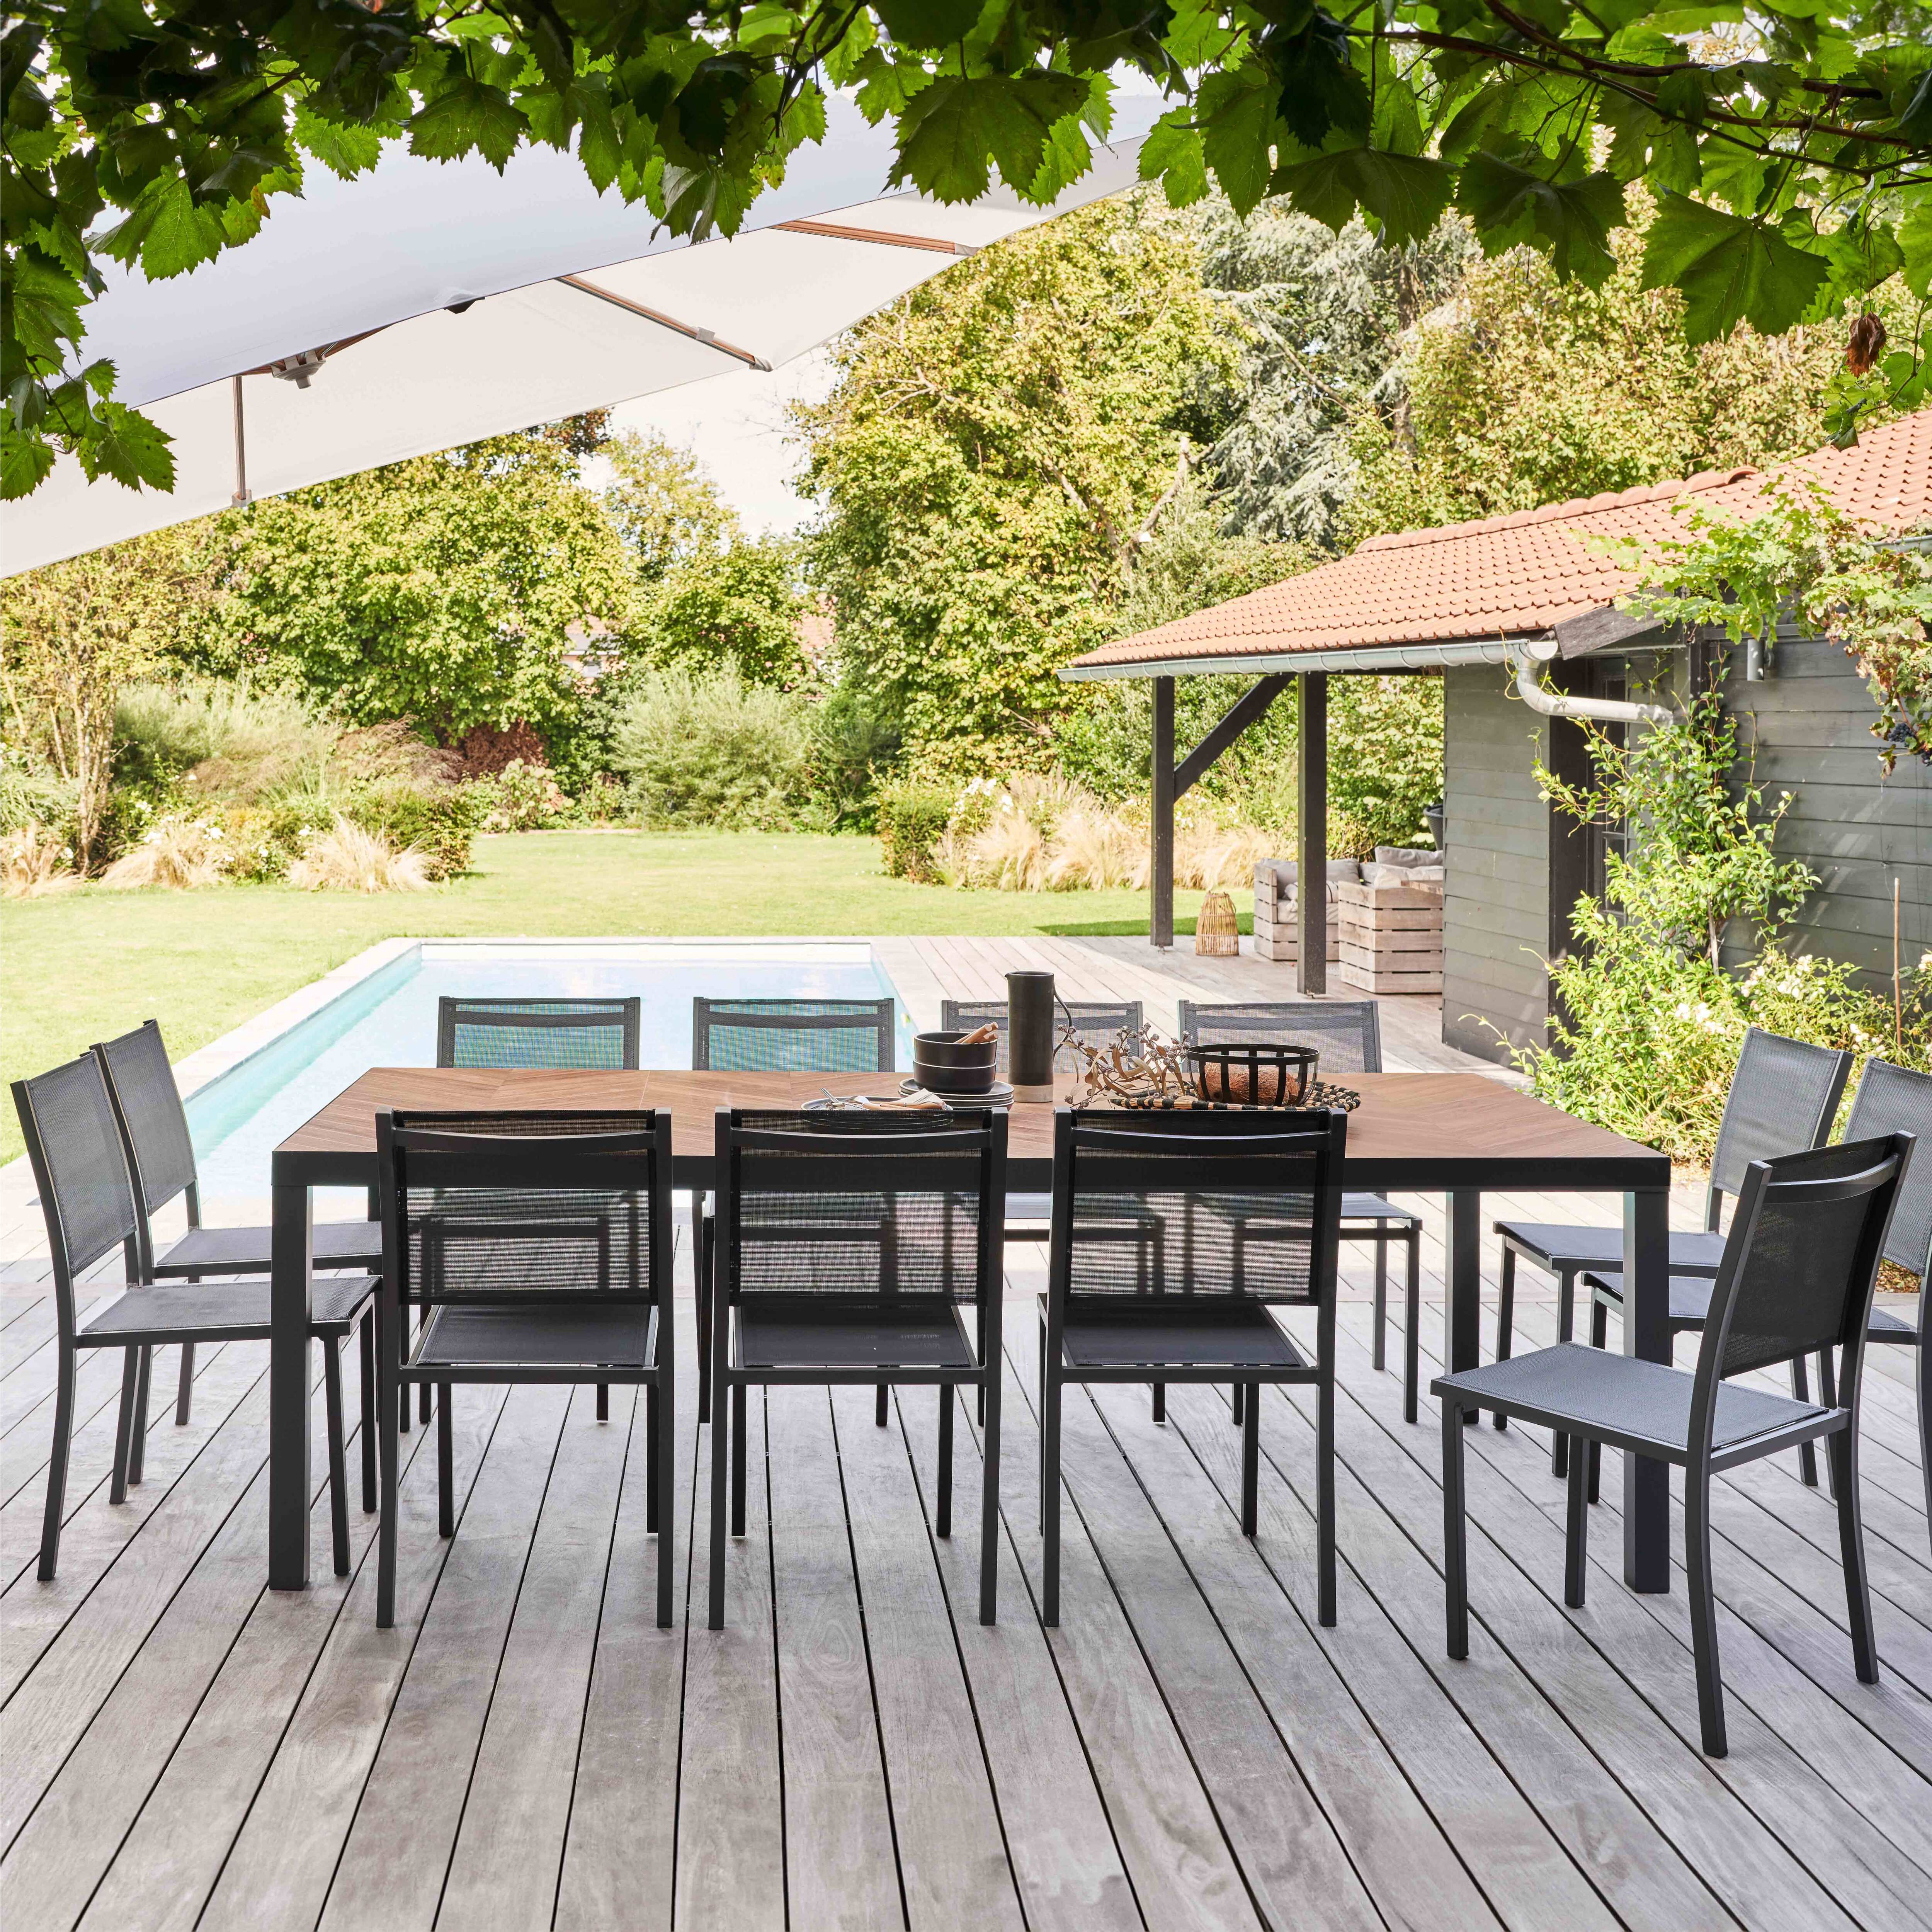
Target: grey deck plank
{"x": 392, "y": 1868}
{"x": 841, "y": 1866}
{"x": 509, "y": 1849}
{"x": 953, "y": 1866}
{"x": 218, "y": 1777}
{"x": 1065, "y": 1856}
{"x": 730, "y": 1814}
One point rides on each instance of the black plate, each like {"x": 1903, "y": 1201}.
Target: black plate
{"x": 830, "y": 1114}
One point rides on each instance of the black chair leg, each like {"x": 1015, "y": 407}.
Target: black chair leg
{"x": 880, "y": 1406}
{"x": 446, "y": 1472}
{"x": 422, "y": 1405}
{"x": 603, "y": 1402}
{"x": 1238, "y": 1403}
{"x": 1381, "y": 1303}
{"x": 1160, "y": 1402}
{"x": 1827, "y": 1397}
{"x": 366, "y": 1340}
{"x": 720, "y": 1457}
{"x": 1505, "y": 1317}
{"x": 650, "y": 1459}
{"x": 1412, "y": 1341}
{"x": 1703, "y": 1607}
{"x": 702, "y": 1260}
{"x": 1593, "y": 1485}
{"x": 1455, "y": 1541}
{"x": 1566, "y": 1304}
{"x": 184, "y": 1393}
{"x": 50, "y": 1521}
{"x": 1049, "y": 1500}
{"x": 124, "y": 1427}
{"x": 1801, "y": 1388}
{"x": 1324, "y": 1482}
{"x": 1600, "y": 1336}
{"x": 1842, "y": 1451}
{"x": 391, "y": 1410}
{"x": 1577, "y": 1528}
{"x": 338, "y": 1467}
{"x": 137, "y": 1443}
{"x": 942, "y": 1506}
{"x": 738, "y": 1441}
{"x": 661, "y": 1412}
{"x": 989, "y": 1510}
{"x": 1251, "y": 1462}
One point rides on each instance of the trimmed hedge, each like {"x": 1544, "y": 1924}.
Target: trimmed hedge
{"x": 912, "y": 821}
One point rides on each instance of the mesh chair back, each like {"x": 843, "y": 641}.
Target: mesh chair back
{"x": 79, "y": 1169}
{"x": 499, "y": 1210}
{"x": 142, "y": 1085}
{"x": 599, "y": 1035}
{"x": 1095, "y": 1021}
{"x": 1201, "y": 1204}
{"x": 793, "y": 1036}
{"x": 1799, "y": 1268}
{"x": 1347, "y": 1034}
{"x": 883, "y": 1207}
{"x": 1894, "y": 1100}
{"x": 1784, "y": 1098}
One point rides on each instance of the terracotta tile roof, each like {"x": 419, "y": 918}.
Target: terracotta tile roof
{"x": 1517, "y": 575}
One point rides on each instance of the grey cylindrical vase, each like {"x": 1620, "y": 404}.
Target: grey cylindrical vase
{"x": 1030, "y": 1003}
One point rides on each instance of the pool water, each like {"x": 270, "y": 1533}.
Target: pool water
{"x": 389, "y": 1020}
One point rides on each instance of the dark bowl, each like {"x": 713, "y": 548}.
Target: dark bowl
{"x": 942, "y": 1064}
{"x": 1254, "y": 1072}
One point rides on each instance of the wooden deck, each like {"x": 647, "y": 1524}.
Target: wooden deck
{"x": 178, "y": 1747}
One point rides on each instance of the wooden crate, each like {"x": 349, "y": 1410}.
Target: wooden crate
{"x": 1276, "y": 938}
{"x": 1366, "y": 980}
{"x": 1391, "y": 937}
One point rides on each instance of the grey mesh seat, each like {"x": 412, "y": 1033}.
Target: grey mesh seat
{"x": 745, "y": 1036}
{"x": 807, "y": 1294}
{"x": 1210, "y": 1320}
{"x": 1348, "y": 1035}
{"x": 1784, "y": 1097}
{"x": 88, "y": 1199}
{"x": 161, "y": 1156}
{"x": 555, "y": 1288}
{"x": 1796, "y": 1278}
{"x": 597, "y": 1035}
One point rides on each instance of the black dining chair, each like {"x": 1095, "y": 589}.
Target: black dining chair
{"x": 1348, "y": 1035}
{"x": 595, "y": 1034}
{"x": 746, "y": 1036}
{"x": 1796, "y": 1278}
{"x": 816, "y": 1286}
{"x": 159, "y": 1150}
{"x": 503, "y": 1263}
{"x": 1890, "y": 1099}
{"x": 1101, "y": 1321}
{"x": 88, "y": 1200}
{"x": 1784, "y": 1097}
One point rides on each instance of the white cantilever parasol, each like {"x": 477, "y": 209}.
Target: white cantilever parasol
{"x": 429, "y": 304}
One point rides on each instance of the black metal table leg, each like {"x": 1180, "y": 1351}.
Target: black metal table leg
{"x": 1647, "y": 1336}
{"x": 290, "y": 1487}
{"x": 1465, "y": 1283}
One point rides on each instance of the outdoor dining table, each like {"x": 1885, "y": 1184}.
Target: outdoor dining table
{"x": 1454, "y": 1134}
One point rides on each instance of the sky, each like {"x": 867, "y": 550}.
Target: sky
{"x": 734, "y": 425}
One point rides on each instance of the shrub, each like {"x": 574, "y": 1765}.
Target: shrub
{"x": 854, "y": 739}
{"x": 522, "y": 797}
{"x": 347, "y": 858}
{"x": 34, "y": 859}
{"x": 712, "y": 750}
{"x": 912, "y": 821}
{"x": 237, "y": 740}
{"x": 437, "y": 822}
{"x": 32, "y": 795}
{"x": 177, "y": 852}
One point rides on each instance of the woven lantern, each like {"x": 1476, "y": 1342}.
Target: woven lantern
{"x": 1215, "y": 932}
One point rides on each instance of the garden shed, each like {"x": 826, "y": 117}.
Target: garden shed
{"x": 1518, "y": 615}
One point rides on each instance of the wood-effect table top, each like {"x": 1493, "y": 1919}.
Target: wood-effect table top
{"x": 1417, "y": 1130}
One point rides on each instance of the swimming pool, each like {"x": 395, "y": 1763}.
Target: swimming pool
{"x": 389, "y": 1019}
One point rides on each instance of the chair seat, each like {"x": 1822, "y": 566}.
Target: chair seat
{"x": 794, "y": 1334}
{"x": 1593, "y": 1392}
{"x": 335, "y": 1244}
{"x": 1129, "y": 1335}
{"x": 1093, "y": 1207}
{"x": 1692, "y": 1252}
{"x": 1373, "y": 1208}
{"x": 220, "y": 1311}
{"x": 571, "y": 1337}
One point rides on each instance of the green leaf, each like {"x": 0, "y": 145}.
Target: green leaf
{"x": 468, "y": 117}
{"x": 1406, "y": 193}
{"x": 1729, "y": 270}
{"x": 1171, "y": 154}
{"x": 177, "y": 234}
{"x": 1320, "y": 90}
{"x": 928, "y": 23}
{"x": 126, "y": 446}
{"x": 25, "y": 460}
{"x": 945, "y": 153}
{"x": 1195, "y": 32}
{"x": 1915, "y": 240}
{"x": 1238, "y": 130}
{"x": 1571, "y": 221}
{"x": 766, "y": 27}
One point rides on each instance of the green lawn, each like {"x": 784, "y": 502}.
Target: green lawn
{"x": 82, "y": 966}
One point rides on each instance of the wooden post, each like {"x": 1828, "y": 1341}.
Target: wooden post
{"x": 1311, "y": 833}
{"x": 1161, "y": 879}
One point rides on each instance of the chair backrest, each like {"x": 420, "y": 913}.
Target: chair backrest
{"x": 80, "y": 1172}
{"x": 1784, "y": 1096}
{"x": 148, "y": 1111}
{"x": 1895, "y": 1100}
{"x": 871, "y": 1208}
{"x": 1095, "y": 1021}
{"x": 793, "y": 1036}
{"x": 1202, "y": 1203}
{"x": 1347, "y": 1034}
{"x": 502, "y": 1210}
{"x": 600, "y": 1035}
{"x": 1799, "y": 1265}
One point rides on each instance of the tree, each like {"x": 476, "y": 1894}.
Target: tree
{"x": 450, "y": 589}
{"x": 993, "y": 445}
{"x": 156, "y": 132}
{"x": 1525, "y": 390}
{"x": 739, "y": 606}
{"x": 665, "y": 506}
{"x": 76, "y": 632}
